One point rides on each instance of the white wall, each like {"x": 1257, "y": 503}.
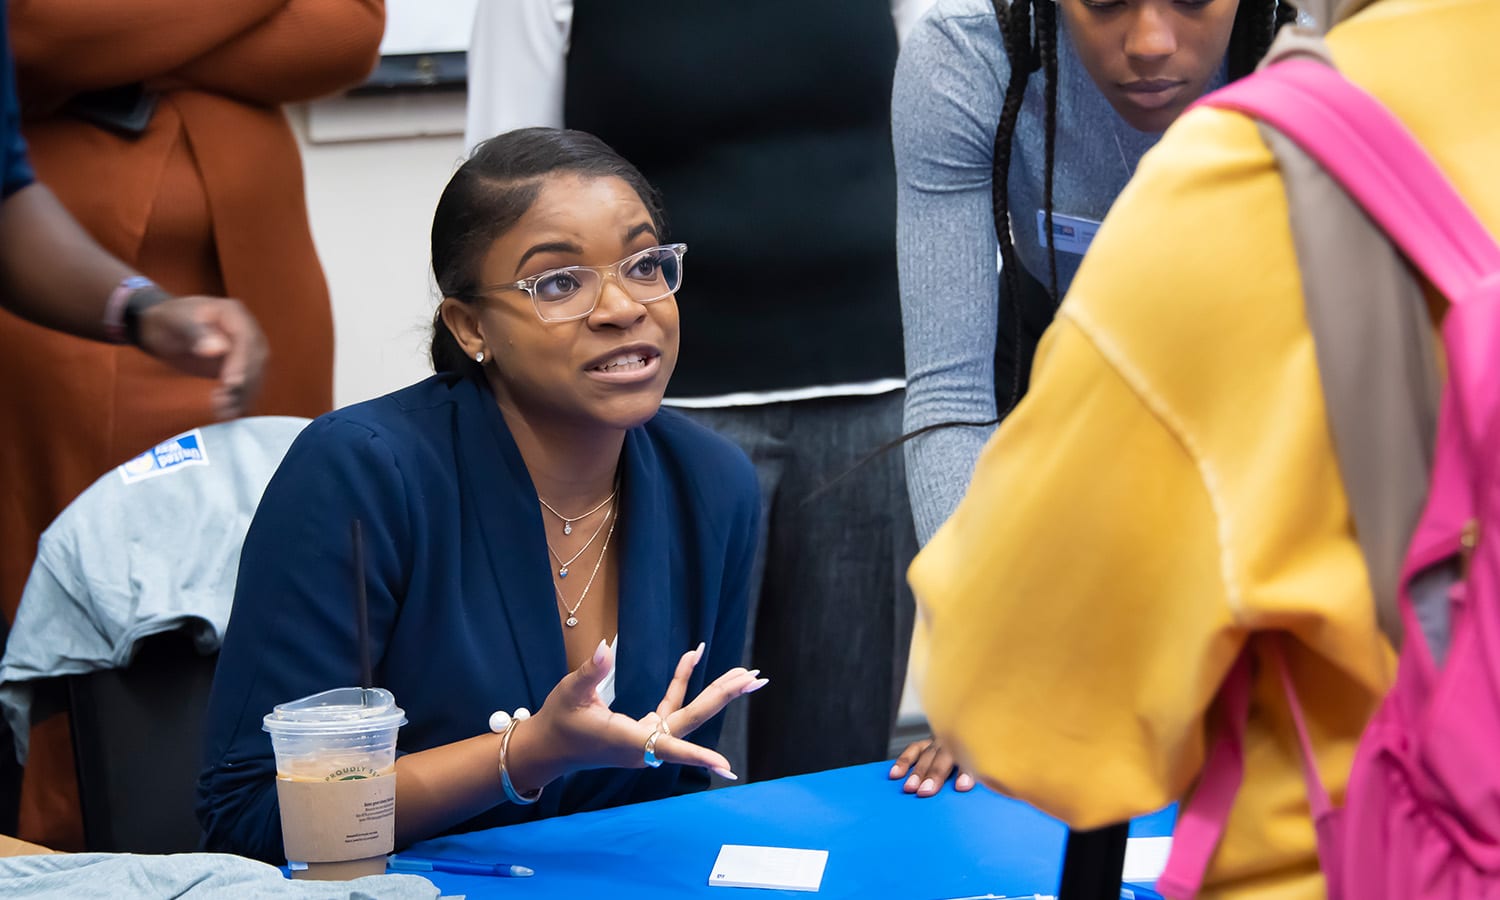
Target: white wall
{"x": 375, "y": 167}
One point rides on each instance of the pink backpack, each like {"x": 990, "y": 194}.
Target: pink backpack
{"x": 1422, "y": 811}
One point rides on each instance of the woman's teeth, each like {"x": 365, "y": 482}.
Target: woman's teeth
{"x": 629, "y": 361}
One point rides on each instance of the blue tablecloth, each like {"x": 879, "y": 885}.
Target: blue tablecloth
{"x": 881, "y": 843}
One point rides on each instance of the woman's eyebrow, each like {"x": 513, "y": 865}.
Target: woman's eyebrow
{"x": 549, "y": 247}
{"x": 566, "y": 247}
{"x": 638, "y": 230}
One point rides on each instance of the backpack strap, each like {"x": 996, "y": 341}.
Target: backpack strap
{"x": 1201, "y": 821}
{"x": 1317, "y": 793}
{"x": 1324, "y": 817}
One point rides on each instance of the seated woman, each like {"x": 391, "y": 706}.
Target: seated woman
{"x": 521, "y": 510}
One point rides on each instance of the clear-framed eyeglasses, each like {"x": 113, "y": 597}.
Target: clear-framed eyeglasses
{"x": 572, "y": 292}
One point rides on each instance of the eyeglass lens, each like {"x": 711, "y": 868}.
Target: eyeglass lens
{"x": 646, "y": 276}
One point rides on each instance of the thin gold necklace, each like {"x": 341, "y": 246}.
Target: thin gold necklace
{"x": 569, "y": 520}
{"x": 572, "y": 619}
{"x": 563, "y": 564}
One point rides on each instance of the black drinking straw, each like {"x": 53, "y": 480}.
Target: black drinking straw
{"x": 361, "y": 607}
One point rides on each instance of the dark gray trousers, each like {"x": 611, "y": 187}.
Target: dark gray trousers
{"x": 830, "y": 610}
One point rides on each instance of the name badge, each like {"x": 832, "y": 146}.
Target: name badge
{"x": 170, "y": 456}
{"x": 1070, "y": 234}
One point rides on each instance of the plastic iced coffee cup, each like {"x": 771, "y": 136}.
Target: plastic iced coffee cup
{"x": 336, "y": 780}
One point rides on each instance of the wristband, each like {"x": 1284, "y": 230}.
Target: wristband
{"x": 122, "y": 311}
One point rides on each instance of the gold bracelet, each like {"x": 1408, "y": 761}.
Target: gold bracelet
{"x": 511, "y": 793}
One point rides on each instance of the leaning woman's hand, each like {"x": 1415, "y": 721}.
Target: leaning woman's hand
{"x": 929, "y": 765}
{"x": 584, "y": 733}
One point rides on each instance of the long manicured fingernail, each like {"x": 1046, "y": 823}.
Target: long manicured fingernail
{"x": 599, "y": 653}
{"x": 725, "y": 774}
{"x": 698, "y": 654}
{"x": 755, "y": 685}
{"x": 753, "y": 673}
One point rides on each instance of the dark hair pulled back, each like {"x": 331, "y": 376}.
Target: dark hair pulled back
{"x": 490, "y": 192}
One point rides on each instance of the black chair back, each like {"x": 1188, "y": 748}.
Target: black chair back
{"x": 137, "y": 741}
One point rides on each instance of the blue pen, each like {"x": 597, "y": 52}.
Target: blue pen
{"x": 456, "y": 867}
{"x": 1136, "y": 892}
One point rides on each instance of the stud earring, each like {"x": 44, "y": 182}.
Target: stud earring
{"x": 479, "y": 357}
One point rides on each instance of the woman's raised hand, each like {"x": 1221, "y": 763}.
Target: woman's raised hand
{"x": 581, "y": 732}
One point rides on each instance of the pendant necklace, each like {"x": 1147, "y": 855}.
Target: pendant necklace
{"x": 563, "y": 564}
{"x": 572, "y": 611}
{"x": 569, "y": 520}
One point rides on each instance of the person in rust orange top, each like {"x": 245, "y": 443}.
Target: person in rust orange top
{"x": 158, "y": 124}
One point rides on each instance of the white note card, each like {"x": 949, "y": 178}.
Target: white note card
{"x": 779, "y": 868}
{"x": 1146, "y": 858}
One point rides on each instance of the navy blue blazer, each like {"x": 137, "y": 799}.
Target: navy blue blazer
{"x": 463, "y": 617}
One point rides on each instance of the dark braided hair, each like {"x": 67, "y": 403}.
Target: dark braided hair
{"x": 1030, "y": 48}
{"x": 1252, "y": 34}
{"x": 1027, "y": 49}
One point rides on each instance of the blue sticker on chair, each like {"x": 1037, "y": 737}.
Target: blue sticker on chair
{"x": 185, "y": 450}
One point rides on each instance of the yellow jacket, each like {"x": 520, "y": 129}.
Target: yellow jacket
{"x": 1169, "y": 486}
